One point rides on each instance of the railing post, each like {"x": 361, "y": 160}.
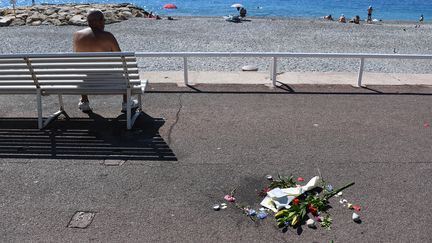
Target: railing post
{"x": 185, "y": 70}
{"x": 274, "y": 71}
{"x": 360, "y": 74}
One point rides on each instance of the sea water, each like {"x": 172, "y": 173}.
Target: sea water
{"x": 383, "y": 9}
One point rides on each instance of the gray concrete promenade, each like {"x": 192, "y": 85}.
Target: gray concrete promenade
{"x": 158, "y": 182}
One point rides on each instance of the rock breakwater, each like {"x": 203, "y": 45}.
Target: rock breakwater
{"x": 67, "y": 14}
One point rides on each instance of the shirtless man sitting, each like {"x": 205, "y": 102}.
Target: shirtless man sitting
{"x": 355, "y": 20}
{"x": 342, "y": 19}
{"x": 95, "y": 39}
{"x": 328, "y": 17}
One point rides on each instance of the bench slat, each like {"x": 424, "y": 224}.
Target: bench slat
{"x": 8, "y": 61}
{"x": 80, "y": 59}
{"x": 14, "y": 89}
{"x": 57, "y": 77}
{"x": 68, "y": 55}
{"x": 67, "y": 66}
{"x": 82, "y": 71}
{"x": 82, "y": 76}
{"x": 16, "y": 83}
{"x": 83, "y": 87}
{"x": 72, "y": 89}
{"x": 87, "y": 83}
{"x": 18, "y": 78}
{"x": 14, "y": 72}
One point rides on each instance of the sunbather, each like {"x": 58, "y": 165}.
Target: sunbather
{"x": 355, "y": 19}
{"x": 342, "y": 19}
{"x": 96, "y": 39}
{"x": 328, "y": 17}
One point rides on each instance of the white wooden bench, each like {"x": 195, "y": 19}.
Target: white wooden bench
{"x": 92, "y": 73}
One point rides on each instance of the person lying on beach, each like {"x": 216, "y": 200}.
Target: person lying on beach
{"x": 96, "y": 39}
{"x": 328, "y": 17}
{"x": 355, "y": 20}
{"x": 342, "y": 19}
{"x": 152, "y": 16}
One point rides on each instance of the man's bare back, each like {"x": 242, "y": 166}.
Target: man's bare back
{"x": 94, "y": 40}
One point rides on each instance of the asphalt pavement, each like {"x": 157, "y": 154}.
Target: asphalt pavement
{"x": 193, "y": 145}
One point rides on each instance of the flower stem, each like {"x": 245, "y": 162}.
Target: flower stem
{"x": 330, "y": 195}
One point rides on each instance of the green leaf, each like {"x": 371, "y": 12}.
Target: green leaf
{"x": 326, "y": 222}
{"x": 282, "y": 182}
{"x": 303, "y": 213}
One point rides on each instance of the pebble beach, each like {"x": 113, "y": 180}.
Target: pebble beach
{"x": 213, "y": 34}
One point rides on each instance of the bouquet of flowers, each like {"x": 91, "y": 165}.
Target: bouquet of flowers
{"x": 294, "y": 204}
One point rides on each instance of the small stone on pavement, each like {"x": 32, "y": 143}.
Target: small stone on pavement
{"x": 81, "y": 220}
{"x": 250, "y": 68}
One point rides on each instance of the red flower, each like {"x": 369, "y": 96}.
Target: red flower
{"x": 313, "y": 210}
{"x": 229, "y": 198}
{"x": 300, "y": 179}
{"x": 356, "y": 207}
{"x": 296, "y": 201}
{"x": 264, "y": 191}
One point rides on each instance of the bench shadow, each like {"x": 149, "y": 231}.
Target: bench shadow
{"x": 95, "y": 137}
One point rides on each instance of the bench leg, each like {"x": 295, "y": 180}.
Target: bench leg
{"x": 62, "y": 107}
{"x": 43, "y": 123}
{"x": 140, "y": 102}
{"x": 128, "y": 109}
{"x": 135, "y": 117}
{"x": 54, "y": 117}
{"x": 39, "y": 108}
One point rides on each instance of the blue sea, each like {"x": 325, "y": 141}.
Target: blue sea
{"x": 383, "y": 9}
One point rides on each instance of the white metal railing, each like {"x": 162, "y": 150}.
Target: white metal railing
{"x": 276, "y": 55}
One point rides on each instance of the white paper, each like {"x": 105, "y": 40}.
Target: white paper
{"x": 311, "y": 184}
{"x": 292, "y": 191}
{"x": 267, "y": 202}
{"x": 283, "y": 197}
{"x": 276, "y": 193}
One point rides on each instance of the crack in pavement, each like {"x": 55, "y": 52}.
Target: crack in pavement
{"x": 177, "y": 116}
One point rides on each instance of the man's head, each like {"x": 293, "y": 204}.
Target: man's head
{"x": 96, "y": 20}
